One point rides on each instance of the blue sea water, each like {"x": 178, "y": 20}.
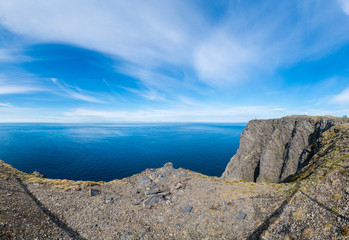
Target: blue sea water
{"x": 103, "y": 152}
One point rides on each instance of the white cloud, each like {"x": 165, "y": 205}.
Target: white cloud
{"x": 138, "y": 31}
{"x": 246, "y": 43}
{"x": 75, "y": 92}
{"x": 223, "y": 59}
{"x": 344, "y": 5}
{"x": 15, "y": 89}
{"x": 341, "y": 98}
{"x": 234, "y": 114}
{"x": 7, "y": 105}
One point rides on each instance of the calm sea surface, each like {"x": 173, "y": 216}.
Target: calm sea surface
{"x": 103, "y": 152}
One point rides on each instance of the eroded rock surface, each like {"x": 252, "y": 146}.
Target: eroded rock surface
{"x": 276, "y": 149}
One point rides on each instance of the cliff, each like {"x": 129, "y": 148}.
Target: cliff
{"x": 275, "y": 150}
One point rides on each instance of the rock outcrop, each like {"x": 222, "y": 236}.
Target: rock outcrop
{"x": 274, "y": 150}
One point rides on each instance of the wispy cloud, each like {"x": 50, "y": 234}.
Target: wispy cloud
{"x": 15, "y": 89}
{"x": 241, "y": 113}
{"x": 75, "y": 92}
{"x": 344, "y": 5}
{"x": 341, "y": 98}
{"x": 234, "y": 48}
{"x": 7, "y": 105}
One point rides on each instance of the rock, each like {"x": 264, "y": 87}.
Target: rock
{"x": 165, "y": 194}
{"x": 93, "y": 192}
{"x": 168, "y": 170}
{"x": 109, "y": 200}
{"x": 144, "y": 181}
{"x": 152, "y": 192}
{"x": 187, "y": 209}
{"x": 154, "y": 175}
{"x": 240, "y": 216}
{"x": 346, "y": 190}
{"x": 162, "y": 178}
{"x": 178, "y": 186}
{"x": 38, "y": 174}
{"x": 168, "y": 202}
{"x": 151, "y": 201}
{"x": 76, "y": 188}
{"x": 275, "y": 149}
{"x": 169, "y": 166}
{"x": 2, "y": 224}
{"x": 175, "y": 198}
{"x": 126, "y": 236}
{"x": 177, "y": 226}
{"x": 137, "y": 201}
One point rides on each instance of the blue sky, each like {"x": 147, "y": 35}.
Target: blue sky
{"x": 180, "y": 60}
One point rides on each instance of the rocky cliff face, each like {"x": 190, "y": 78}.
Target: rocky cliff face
{"x": 276, "y": 149}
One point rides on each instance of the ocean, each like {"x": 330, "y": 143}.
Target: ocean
{"x": 104, "y": 152}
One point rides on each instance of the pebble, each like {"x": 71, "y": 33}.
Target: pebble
{"x": 2, "y": 224}
{"x": 137, "y": 201}
{"x": 177, "y": 226}
{"x": 240, "y": 216}
{"x": 187, "y": 209}
{"x": 76, "y": 189}
{"x": 346, "y": 190}
{"x": 109, "y": 200}
{"x": 178, "y": 186}
{"x": 93, "y": 192}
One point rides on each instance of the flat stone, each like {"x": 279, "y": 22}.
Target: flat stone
{"x": 93, "y": 192}
{"x": 187, "y": 209}
{"x": 151, "y": 201}
{"x": 152, "y": 192}
{"x": 240, "y": 216}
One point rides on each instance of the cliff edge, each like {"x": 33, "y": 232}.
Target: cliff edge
{"x": 274, "y": 150}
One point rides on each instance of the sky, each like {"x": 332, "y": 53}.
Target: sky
{"x": 172, "y": 60}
